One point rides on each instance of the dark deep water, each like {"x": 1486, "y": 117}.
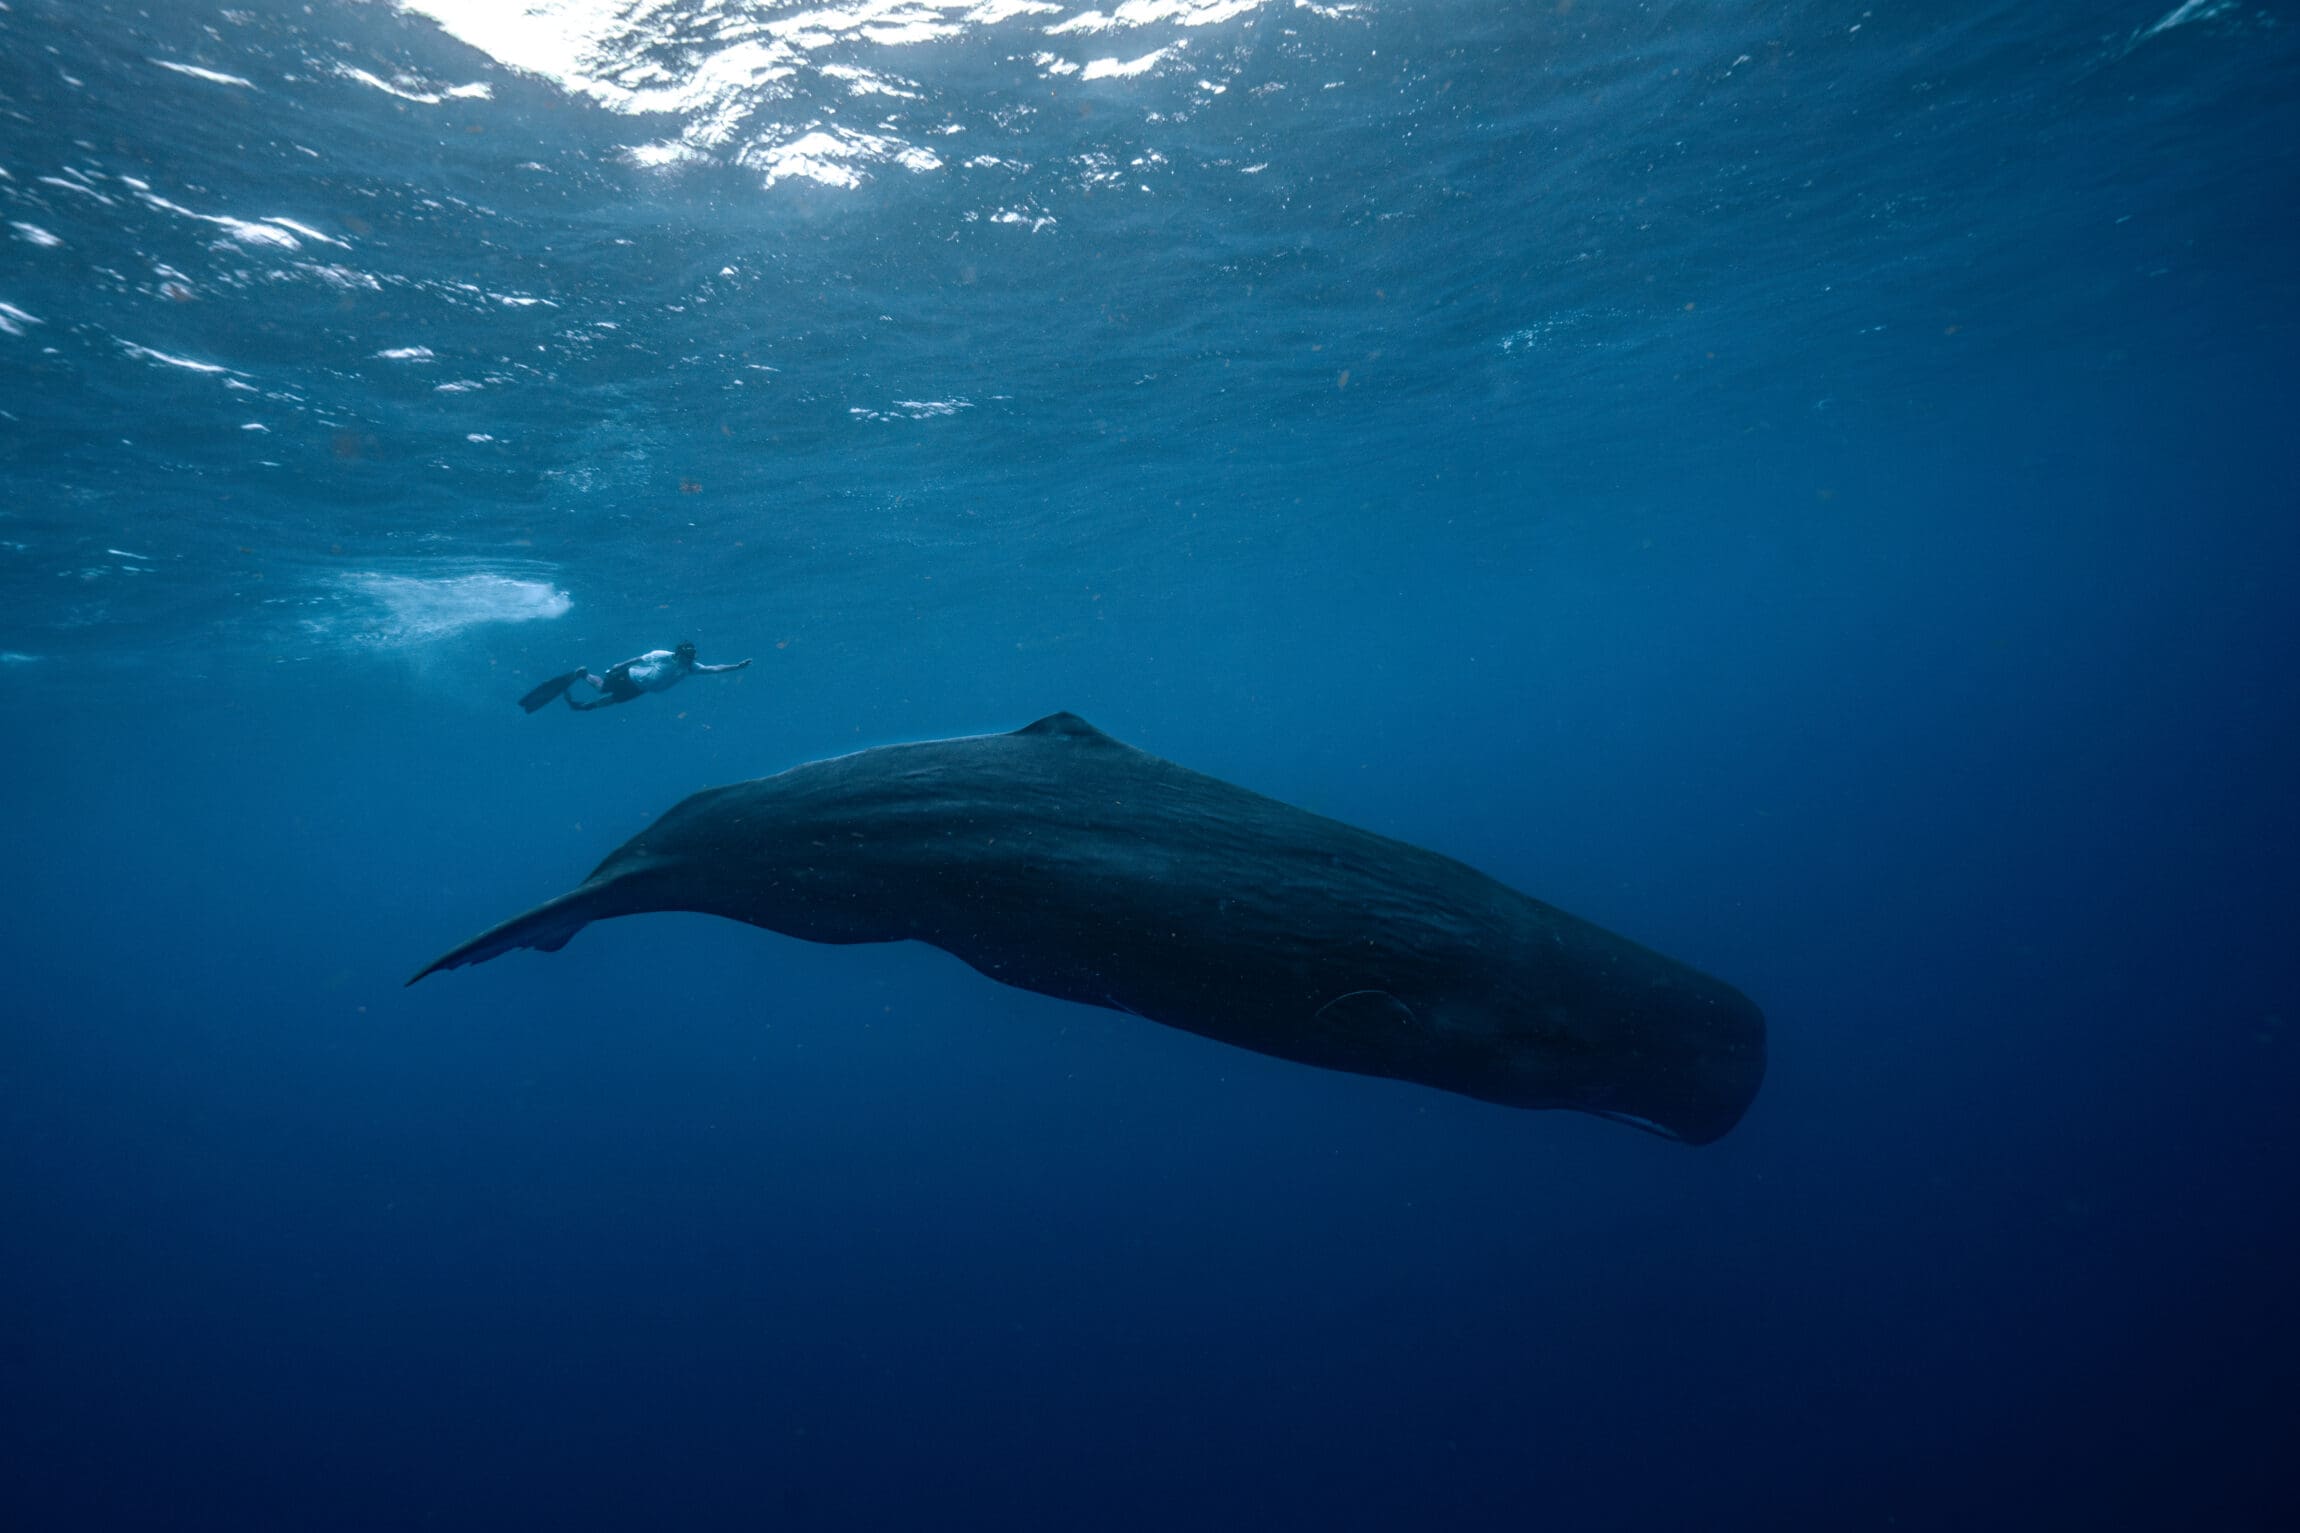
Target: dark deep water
{"x": 1809, "y": 488}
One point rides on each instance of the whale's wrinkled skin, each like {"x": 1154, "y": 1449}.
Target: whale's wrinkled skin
{"x": 1059, "y": 860}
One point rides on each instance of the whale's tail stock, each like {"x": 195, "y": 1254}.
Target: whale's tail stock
{"x": 546, "y": 928}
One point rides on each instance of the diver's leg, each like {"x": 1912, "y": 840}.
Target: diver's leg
{"x": 556, "y": 687}
{"x": 613, "y": 689}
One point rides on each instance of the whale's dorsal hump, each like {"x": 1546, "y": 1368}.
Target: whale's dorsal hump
{"x": 1063, "y": 724}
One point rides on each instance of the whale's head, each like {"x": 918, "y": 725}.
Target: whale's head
{"x": 1682, "y": 1058}
{"x": 1664, "y": 1049}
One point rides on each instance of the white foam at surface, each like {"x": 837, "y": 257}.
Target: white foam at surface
{"x": 308, "y": 232}
{"x": 147, "y": 354}
{"x": 339, "y": 276}
{"x": 63, "y": 183}
{"x": 2186, "y": 12}
{"x": 263, "y": 233}
{"x": 209, "y": 75}
{"x": 552, "y": 38}
{"x": 827, "y": 157}
{"x": 668, "y": 152}
{"x": 717, "y": 67}
{"x": 1108, "y": 69}
{"x": 415, "y": 90}
{"x": 912, "y": 409}
{"x": 863, "y": 82}
{"x": 1142, "y": 13}
{"x": 272, "y": 230}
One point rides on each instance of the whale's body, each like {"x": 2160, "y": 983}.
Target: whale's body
{"x": 1059, "y": 860}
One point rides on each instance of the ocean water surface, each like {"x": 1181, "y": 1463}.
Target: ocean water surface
{"x": 1808, "y": 487}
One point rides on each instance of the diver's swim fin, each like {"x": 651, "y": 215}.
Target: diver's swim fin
{"x": 551, "y": 691}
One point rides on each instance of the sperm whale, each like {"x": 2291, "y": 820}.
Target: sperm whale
{"x": 1062, "y": 861}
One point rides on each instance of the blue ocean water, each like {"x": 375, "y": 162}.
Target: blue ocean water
{"x": 1807, "y": 487}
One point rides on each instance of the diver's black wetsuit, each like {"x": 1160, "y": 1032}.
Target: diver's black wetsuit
{"x": 658, "y": 670}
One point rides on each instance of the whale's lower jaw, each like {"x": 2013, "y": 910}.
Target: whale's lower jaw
{"x": 1631, "y": 1120}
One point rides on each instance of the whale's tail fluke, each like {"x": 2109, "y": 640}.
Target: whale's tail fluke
{"x": 546, "y": 928}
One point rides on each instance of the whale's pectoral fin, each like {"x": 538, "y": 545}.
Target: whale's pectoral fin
{"x": 547, "y": 927}
{"x": 1367, "y": 1011}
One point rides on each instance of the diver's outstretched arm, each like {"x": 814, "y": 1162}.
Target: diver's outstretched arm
{"x": 713, "y": 670}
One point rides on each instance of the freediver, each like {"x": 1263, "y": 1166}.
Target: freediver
{"x": 658, "y": 670}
